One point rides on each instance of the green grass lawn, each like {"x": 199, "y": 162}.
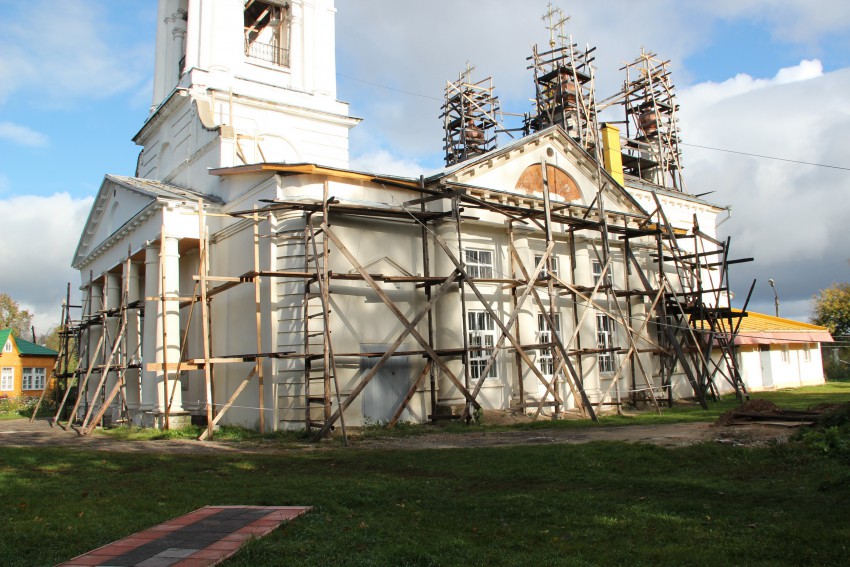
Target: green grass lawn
{"x": 597, "y": 504}
{"x": 594, "y": 504}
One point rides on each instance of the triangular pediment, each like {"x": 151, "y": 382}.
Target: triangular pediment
{"x": 119, "y": 201}
{"x": 572, "y": 175}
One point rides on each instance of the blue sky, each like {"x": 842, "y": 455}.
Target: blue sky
{"x": 73, "y": 95}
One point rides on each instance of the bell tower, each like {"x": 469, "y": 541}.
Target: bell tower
{"x": 259, "y": 76}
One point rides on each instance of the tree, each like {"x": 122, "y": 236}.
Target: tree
{"x": 832, "y": 309}
{"x": 52, "y": 339}
{"x": 15, "y": 318}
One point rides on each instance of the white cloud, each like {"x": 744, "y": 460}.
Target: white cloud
{"x": 791, "y": 217}
{"x": 788, "y": 216}
{"x": 804, "y": 21}
{"x": 701, "y": 95}
{"x": 377, "y": 44}
{"x": 382, "y": 161}
{"x": 39, "y": 237}
{"x": 22, "y": 135}
{"x": 61, "y": 51}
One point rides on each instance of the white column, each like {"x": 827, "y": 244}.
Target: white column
{"x": 133, "y": 354}
{"x": 527, "y": 323}
{"x": 195, "y": 400}
{"x": 297, "y": 47}
{"x": 587, "y": 332}
{"x": 448, "y": 322}
{"x": 112, "y": 300}
{"x": 160, "y": 89}
{"x": 308, "y": 60}
{"x": 171, "y": 281}
{"x": 159, "y": 346}
{"x": 96, "y": 357}
{"x": 193, "y": 35}
{"x": 149, "y": 331}
{"x": 85, "y": 337}
{"x": 178, "y": 35}
{"x": 640, "y": 312}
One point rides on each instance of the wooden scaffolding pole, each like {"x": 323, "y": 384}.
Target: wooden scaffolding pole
{"x": 259, "y": 324}
{"x": 323, "y": 279}
{"x": 56, "y": 365}
{"x": 120, "y": 341}
{"x": 164, "y": 316}
{"x": 203, "y": 272}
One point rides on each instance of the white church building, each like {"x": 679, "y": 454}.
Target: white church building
{"x": 245, "y": 275}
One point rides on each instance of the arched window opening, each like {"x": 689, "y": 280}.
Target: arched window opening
{"x": 267, "y": 25}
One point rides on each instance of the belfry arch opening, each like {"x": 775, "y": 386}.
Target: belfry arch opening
{"x": 267, "y": 25}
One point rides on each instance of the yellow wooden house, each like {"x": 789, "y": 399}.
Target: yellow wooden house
{"x": 26, "y": 368}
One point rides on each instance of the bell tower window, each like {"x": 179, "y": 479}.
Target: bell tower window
{"x": 267, "y": 27}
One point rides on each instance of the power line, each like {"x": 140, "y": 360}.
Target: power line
{"x": 766, "y": 157}
{"x": 388, "y": 88}
{"x": 748, "y": 154}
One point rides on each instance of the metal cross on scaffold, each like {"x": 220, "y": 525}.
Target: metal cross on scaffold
{"x": 556, "y": 20}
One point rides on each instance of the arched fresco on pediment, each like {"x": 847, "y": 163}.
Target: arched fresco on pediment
{"x": 560, "y": 182}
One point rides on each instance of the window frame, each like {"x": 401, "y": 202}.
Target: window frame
{"x": 807, "y": 353}
{"x": 785, "y": 354}
{"x": 33, "y": 378}
{"x": 8, "y": 346}
{"x": 27, "y": 378}
{"x": 477, "y": 267}
{"x": 604, "y": 340}
{"x": 7, "y": 373}
{"x": 480, "y": 337}
{"x": 596, "y": 269}
{"x": 545, "y": 359}
{"x": 545, "y": 272}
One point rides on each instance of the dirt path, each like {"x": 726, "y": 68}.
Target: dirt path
{"x": 22, "y": 433}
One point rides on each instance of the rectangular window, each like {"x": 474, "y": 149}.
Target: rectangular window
{"x": 8, "y": 346}
{"x": 597, "y": 274}
{"x": 479, "y": 263}
{"x": 28, "y": 379}
{"x": 33, "y": 379}
{"x": 544, "y": 272}
{"x": 807, "y": 353}
{"x": 786, "y": 357}
{"x": 482, "y": 339}
{"x": 7, "y": 379}
{"x": 604, "y": 335}
{"x": 545, "y": 360}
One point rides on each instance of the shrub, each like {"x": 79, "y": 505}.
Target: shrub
{"x": 831, "y": 434}
{"x": 18, "y": 404}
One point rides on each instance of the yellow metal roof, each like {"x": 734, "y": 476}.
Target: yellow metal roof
{"x": 761, "y": 323}
{"x": 760, "y": 329}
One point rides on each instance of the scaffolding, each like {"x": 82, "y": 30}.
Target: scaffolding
{"x": 657, "y": 300}
{"x": 469, "y": 116}
{"x": 564, "y": 86}
{"x": 676, "y": 312}
{"x": 652, "y": 133}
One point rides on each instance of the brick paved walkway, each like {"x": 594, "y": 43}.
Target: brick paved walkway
{"x": 205, "y": 537}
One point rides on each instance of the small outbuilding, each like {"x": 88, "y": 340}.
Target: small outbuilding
{"x": 26, "y": 368}
{"x": 780, "y": 353}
